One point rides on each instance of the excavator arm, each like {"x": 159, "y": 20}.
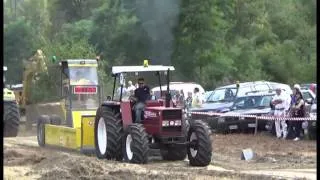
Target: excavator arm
{"x": 32, "y": 68}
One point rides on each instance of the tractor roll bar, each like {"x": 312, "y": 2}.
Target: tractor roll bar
{"x": 168, "y": 95}
{"x": 114, "y": 85}
{"x": 159, "y": 79}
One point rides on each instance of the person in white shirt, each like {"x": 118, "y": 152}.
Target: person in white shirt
{"x": 124, "y": 91}
{"x": 281, "y": 105}
{"x": 197, "y": 99}
{"x": 130, "y": 88}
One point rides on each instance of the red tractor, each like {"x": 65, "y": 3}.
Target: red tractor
{"x": 117, "y": 135}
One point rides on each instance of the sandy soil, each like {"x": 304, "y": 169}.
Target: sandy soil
{"x": 274, "y": 159}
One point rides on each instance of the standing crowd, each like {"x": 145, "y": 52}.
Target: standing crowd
{"x": 285, "y": 106}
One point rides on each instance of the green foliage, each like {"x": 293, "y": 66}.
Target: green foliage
{"x": 213, "y": 42}
{"x": 18, "y": 44}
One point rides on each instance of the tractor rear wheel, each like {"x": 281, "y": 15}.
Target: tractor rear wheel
{"x": 136, "y": 144}
{"x": 200, "y": 147}
{"x": 42, "y": 121}
{"x": 11, "y": 119}
{"x": 107, "y": 134}
{"x": 173, "y": 153}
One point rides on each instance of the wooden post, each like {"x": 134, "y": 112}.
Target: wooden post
{"x": 256, "y": 127}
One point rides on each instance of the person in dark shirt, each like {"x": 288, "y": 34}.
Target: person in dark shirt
{"x": 141, "y": 95}
{"x": 298, "y": 110}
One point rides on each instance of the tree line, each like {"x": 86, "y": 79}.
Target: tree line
{"x": 212, "y": 42}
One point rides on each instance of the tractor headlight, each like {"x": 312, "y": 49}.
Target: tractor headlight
{"x": 165, "y": 123}
{"x": 221, "y": 120}
{"x": 171, "y": 123}
{"x": 177, "y": 122}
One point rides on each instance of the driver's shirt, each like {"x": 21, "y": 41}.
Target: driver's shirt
{"x": 142, "y": 93}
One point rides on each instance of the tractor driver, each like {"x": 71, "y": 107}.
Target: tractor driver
{"x": 141, "y": 95}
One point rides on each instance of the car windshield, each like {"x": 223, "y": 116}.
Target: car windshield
{"x": 83, "y": 75}
{"x": 250, "y": 102}
{"x": 222, "y": 95}
{"x": 157, "y": 94}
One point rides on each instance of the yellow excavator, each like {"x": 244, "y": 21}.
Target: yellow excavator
{"x": 69, "y": 122}
{"x": 11, "y": 116}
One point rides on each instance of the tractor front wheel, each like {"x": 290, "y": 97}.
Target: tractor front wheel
{"x": 136, "y": 144}
{"x": 200, "y": 147}
{"x": 107, "y": 134}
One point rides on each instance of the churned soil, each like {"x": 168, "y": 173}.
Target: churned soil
{"x": 23, "y": 159}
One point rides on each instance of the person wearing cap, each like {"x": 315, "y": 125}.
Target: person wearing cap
{"x": 279, "y": 102}
{"x": 297, "y": 108}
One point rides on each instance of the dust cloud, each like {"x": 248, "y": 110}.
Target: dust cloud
{"x": 158, "y": 19}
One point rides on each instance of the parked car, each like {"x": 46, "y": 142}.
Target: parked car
{"x": 175, "y": 88}
{"x": 222, "y": 98}
{"x": 252, "y": 103}
{"x": 311, "y": 126}
{"x": 207, "y": 94}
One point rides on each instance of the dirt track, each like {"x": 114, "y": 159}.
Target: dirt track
{"x": 280, "y": 159}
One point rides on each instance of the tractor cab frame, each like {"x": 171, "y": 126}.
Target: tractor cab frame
{"x": 126, "y": 105}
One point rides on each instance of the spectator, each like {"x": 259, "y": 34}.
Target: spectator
{"x": 130, "y": 87}
{"x": 279, "y": 102}
{"x": 181, "y": 99}
{"x": 153, "y": 97}
{"x": 297, "y": 108}
{"x": 123, "y": 91}
{"x": 196, "y": 99}
{"x": 188, "y": 102}
{"x": 290, "y": 114}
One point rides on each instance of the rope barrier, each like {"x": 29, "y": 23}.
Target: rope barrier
{"x": 271, "y": 118}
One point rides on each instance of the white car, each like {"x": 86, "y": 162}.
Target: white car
{"x": 176, "y": 87}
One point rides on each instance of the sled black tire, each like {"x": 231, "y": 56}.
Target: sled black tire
{"x": 112, "y": 124}
{"x": 42, "y": 121}
{"x": 11, "y": 119}
{"x": 174, "y": 153}
{"x": 139, "y": 145}
{"x": 202, "y": 143}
